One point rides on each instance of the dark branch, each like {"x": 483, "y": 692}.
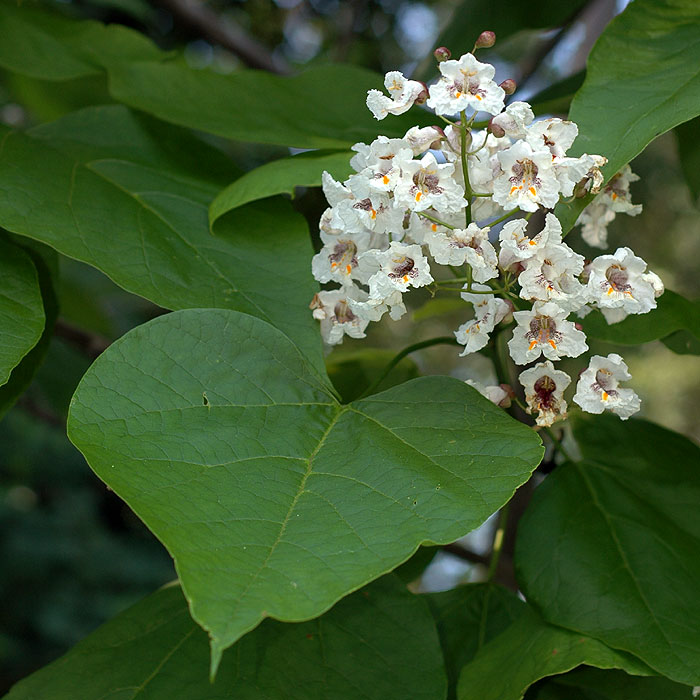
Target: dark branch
{"x": 466, "y": 554}
{"x": 89, "y": 344}
{"x": 226, "y": 33}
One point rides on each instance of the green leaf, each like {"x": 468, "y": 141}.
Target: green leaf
{"x": 596, "y": 684}
{"x": 610, "y": 546}
{"x": 21, "y": 376}
{"x": 22, "y": 317}
{"x": 275, "y": 500}
{"x": 129, "y": 196}
{"x": 280, "y": 176}
{"x": 642, "y": 79}
{"x": 689, "y": 153}
{"x": 50, "y": 47}
{"x": 682, "y": 343}
{"x": 468, "y": 617}
{"x": 323, "y": 107}
{"x": 154, "y": 650}
{"x": 531, "y": 649}
{"x": 673, "y": 313}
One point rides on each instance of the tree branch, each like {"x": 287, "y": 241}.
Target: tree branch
{"x": 226, "y": 33}
{"x": 89, "y": 344}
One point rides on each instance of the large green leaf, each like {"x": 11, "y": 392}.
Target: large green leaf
{"x": 323, "y": 107}
{"x": 50, "y": 47}
{"x": 610, "y": 546}
{"x": 531, "y": 649}
{"x": 467, "y": 617}
{"x": 673, "y": 313}
{"x": 129, "y": 196}
{"x": 643, "y": 78}
{"x": 379, "y": 643}
{"x": 275, "y": 500}
{"x": 596, "y": 684}
{"x": 280, "y": 176}
{"x": 22, "y": 317}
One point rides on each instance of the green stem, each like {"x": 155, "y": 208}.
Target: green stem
{"x": 465, "y": 167}
{"x": 498, "y": 542}
{"x": 505, "y": 216}
{"x": 432, "y": 218}
{"x": 442, "y": 340}
{"x": 558, "y": 444}
{"x": 482, "y": 194}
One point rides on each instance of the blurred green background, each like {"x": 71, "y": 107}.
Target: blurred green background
{"x": 73, "y": 555}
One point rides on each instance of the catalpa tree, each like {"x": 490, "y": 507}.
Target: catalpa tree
{"x": 302, "y": 495}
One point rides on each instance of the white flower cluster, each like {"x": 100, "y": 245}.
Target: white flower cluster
{"x": 434, "y": 196}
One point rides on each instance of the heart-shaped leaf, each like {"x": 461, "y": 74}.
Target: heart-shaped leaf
{"x": 154, "y": 650}
{"x": 21, "y": 307}
{"x": 274, "y": 499}
{"x": 610, "y": 546}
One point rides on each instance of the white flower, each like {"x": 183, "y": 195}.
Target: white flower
{"x": 594, "y": 220}
{"x": 466, "y": 83}
{"x": 403, "y": 94}
{"x": 598, "y": 387}
{"x": 552, "y": 277}
{"x": 400, "y": 267}
{"x": 544, "y": 330}
{"x": 528, "y": 178}
{"x": 375, "y": 307}
{"x": 615, "y": 198}
{"x": 544, "y": 392}
{"x": 380, "y": 162}
{"x": 488, "y": 311}
{"x": 554, "y": 134}
{"x": 621, "y": 281}
{"x": 421, "y": 139}
{"x": 338, "y": 259}
{"x": 518, "y": 247}
{"x": 470, "y": 245}
{"x": 332, "y": 309}
{"x": 334, "y": 191}
{"x": 514, "y": 120}
{"x": 494, "y": 393}
{"x": 550, "y": 273}
{"x": 571, "y": 171}
{"x": 426, "y": 183}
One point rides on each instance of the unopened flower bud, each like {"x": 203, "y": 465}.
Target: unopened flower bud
{"x": 485, "y": 41}
{"x": 497, "y": 130}
{"x": 509, "y": 86}
{"x": 582, "y": 188}
{"x": 442, "y": 53}
{"x": 422, "y": 95}
{"x": 510, "y": 395}
{"x": 578, "y": 326}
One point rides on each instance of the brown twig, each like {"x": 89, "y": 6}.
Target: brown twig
{"x": 472, "y": 557}
{"x": 90, "y": 344}
{"x": 225, "y": 32}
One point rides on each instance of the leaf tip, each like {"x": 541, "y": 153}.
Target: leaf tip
{"x": 215, "y": 659}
